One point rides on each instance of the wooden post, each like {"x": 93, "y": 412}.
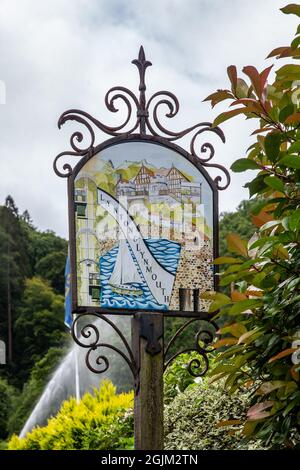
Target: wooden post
{"x": 147, "y": 340}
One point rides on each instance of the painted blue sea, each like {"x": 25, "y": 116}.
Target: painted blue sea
{"x": 167, "y": 254}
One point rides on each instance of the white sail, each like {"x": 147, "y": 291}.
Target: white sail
{"x": 115, "y": 277}
{"x": 125, "y": 270}
{"x": 159, "y": 280}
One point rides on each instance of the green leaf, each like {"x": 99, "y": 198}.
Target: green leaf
{"x": 219, "y": 301}
{"x": 291, "y": 9}
{"x": 242, "y": 89}
{"x": 227, "y": 260}
{"x": 288, "y": 390}
{"x": 274, "y": 183}
{"x": 267, "y": 226}
{"x": 292, "y": 405}
{"x": 290, "y": 161}
{"x": 289, "y": 72}
{"x": 242, "y": 305}
{"x": 272, "y": 144}
{"x": 212, "y": 295}
{"x": 294, "y": 148}
{"x": 244, "y": 164}
{"x": 249, "y": 428}
{"x": 249, "y": 336}
{"x": 236, "y": 329}
{"x": 296, "y": 42}
{"x": 286, "y": 112}
{"x": 225, "y": 280}
{"x": 227, "y": 115}
{"x": 257, "y": 185}
{"x": 294, "y": 221}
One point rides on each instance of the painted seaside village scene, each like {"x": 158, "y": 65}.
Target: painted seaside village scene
{"x": 143, "y": 229}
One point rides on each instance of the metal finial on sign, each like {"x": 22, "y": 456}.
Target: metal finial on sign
{"x": 142, "y": 65}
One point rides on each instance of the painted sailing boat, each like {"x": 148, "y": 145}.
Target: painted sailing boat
{"x": 125, "y": 273}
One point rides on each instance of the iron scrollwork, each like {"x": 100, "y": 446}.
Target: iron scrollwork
{"x": 142, "y": 122}
{"x": 88, "y": 336}
{"x": 197, "y": 366}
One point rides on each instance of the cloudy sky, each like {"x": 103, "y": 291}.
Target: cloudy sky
{"x": 60, "y": 54}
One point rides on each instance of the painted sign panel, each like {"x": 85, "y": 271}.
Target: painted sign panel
{"x": 144, "y": 229}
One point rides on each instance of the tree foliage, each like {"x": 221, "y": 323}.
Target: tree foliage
{"x": 98, "y": 422}
{"x": 206, "y": 417}
{"x": 47, "y": 254}
{"x": 41, "y": 307}
{"x": 262, "y": 336}
{"x": 7, "y": 395}
{"x": 31, "y": 279}
{"x": 238, "y": 222}
{"x": 14, "y": 264}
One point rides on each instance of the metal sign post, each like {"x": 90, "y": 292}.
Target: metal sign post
{"x": 143, "y": 231}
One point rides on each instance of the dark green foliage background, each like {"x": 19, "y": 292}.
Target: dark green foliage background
{"x": 32, "y": 267}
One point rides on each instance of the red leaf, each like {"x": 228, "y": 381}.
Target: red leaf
{"x": 254, "y": 76}
{"x": 294, "y": 373}
{"x": 228, "y": 422}
{"x": 236, "y": 244}
{"x": 293, "y": 118}
{"x": 258, "y": 411}
{"x": 218, "y": 96}
{"x": 292, "y": 8}
{"x": 262, "y": 129}
{"x": 224, "y": 342}
{"x": 263, "y": 82}
{"x": 236, "y": 296}
{"x": 258, "y": 80}
{"x": 247, "y": 102}
{"x": 277, "y": 52}
{"x": 232, "y": 74}
{"x": 290, "y": 52}
{"x": 286, "y": 352}
{"x": 261, "y": 218}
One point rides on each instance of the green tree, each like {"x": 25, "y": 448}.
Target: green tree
{"x": 239, "y": 222}
{"x": 14, "y": 267}
{"x": 47, "y": 255}
{"x": 7, "y": 394}
{"x": 39, "y": 326}
{"x": 262, "y": 337}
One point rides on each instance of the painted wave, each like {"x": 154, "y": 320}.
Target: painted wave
{"x": 165, "y": 251}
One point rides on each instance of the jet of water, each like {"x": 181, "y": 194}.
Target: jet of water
{"x": 62, "y": 384}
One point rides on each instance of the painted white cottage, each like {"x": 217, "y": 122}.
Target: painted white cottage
{"x": 164, "y": 183}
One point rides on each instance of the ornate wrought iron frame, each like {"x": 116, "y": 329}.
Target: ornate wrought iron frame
{"x": 145, "y": 128}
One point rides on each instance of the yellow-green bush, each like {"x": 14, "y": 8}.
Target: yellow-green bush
{"x": 99, "y": 421}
